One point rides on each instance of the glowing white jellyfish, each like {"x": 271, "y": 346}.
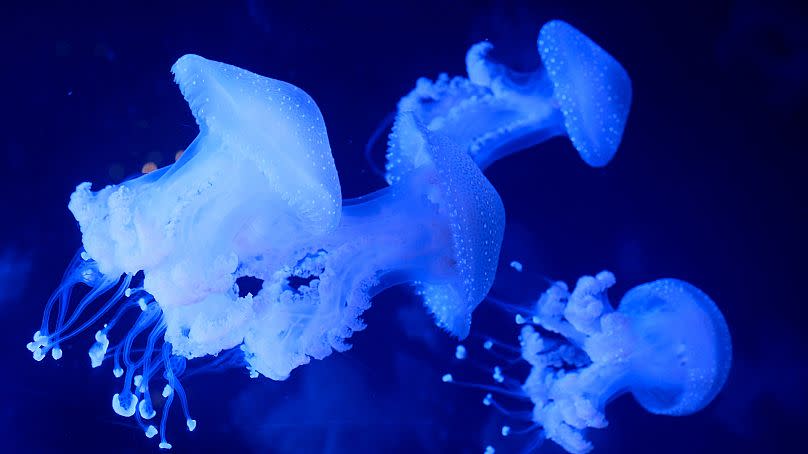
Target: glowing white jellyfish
{"x": 257, "y": 195}
{"x": 579, "y": 91}
{"x": 667, "y": 344}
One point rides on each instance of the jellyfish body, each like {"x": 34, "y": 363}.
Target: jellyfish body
{"x": 579, "y": 91}
{"x": 667, "y": 344}
{"x": 257, "y": 195}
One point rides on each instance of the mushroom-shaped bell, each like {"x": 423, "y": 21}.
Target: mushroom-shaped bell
{"x": 684, "y": 348}
{"x": 592, "y": 89}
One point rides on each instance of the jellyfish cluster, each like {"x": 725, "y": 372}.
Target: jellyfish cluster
{"x": 14, "y": 270}
{"x": 256, "y": 198}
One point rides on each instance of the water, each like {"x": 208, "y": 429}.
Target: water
{"x": 708, "y": 186}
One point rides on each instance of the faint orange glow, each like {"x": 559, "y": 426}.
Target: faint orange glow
{"x": 149, "y": 167}
{"x": 178, "y": 155}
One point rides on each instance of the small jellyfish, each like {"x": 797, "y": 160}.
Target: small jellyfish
{"x": 667, "y": 344}
{"x": 579, "y": 91}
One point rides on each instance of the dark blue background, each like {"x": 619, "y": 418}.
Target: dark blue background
{"x": 708, "y": 186}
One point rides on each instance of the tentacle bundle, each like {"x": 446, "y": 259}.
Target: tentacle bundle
{"x": 141, "y": 357}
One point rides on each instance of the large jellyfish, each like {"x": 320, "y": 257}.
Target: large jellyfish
{"x": 257, "y": 195}
{"x": 579, "y": 91}
{"x": 667, "y": 344}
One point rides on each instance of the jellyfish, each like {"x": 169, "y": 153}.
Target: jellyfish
{"x": 579, "y": 91}
{"x": 256, "y": 195}
{"x": 667, "y": 344}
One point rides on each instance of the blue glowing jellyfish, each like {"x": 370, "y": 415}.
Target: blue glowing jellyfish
{"x": 257, "y": 195}
{"x": 667, "y": 344}
{"x": 579, "y": 91}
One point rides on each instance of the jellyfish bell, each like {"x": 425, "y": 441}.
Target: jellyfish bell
{"x": 684, "y": 348}
{"x": 476, "y": 220}
{"x": 579, "y": 91}
{"x": 592, "y": 89}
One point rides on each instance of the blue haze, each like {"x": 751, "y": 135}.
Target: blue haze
{"x": 707, "y": 186}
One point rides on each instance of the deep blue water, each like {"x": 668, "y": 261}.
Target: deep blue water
{"x": 708, "y": 186}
